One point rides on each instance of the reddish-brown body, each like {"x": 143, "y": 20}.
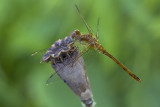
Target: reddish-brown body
{"x": 93, "y": 43}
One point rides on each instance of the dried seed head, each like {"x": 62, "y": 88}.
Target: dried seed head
{"x": 69, "y": 65}
{"x": 74, "y": 74}
{"x": 57, "y": 49}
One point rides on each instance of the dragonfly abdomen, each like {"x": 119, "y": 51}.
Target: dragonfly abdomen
{"x": 102, "y": 50}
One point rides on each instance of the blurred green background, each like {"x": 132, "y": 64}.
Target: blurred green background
{"x": 129, "y": 29}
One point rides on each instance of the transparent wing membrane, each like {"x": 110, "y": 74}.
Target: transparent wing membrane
{"x": 97, "y": 35}
{"x": 87, "y": 26}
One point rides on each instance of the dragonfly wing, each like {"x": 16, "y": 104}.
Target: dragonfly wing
{"x": 87, "y": 26}
{"x": 54, "y": 77}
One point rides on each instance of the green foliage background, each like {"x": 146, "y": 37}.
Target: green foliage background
{"x": 129, "y": 29}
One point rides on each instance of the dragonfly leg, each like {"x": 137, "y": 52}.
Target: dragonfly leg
{"x": 76, "y": 43}
{"x": 81, "y": 48}
{"x": 86, "y": 47}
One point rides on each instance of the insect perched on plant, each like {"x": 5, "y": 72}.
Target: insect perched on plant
{"x": 89, "y": 41}
{"x": 62, "y": 55}
{"x": 92, "y": 42}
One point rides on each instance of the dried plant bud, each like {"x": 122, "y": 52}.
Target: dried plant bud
{"x": 69, "y": 65}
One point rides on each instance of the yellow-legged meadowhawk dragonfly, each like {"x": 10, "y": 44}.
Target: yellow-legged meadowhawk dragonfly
{"x": 88, "y": 40}
{"x": 64, "y": 58}
{"x": 92, "y": 42}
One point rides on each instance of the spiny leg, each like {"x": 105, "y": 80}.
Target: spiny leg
{"x": 85, "y": 51}
{"x": 82, "y": 48}
{"x": 76, "y": 43}
{"x": 81, "y": 53}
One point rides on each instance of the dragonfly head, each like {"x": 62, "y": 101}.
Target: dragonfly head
{"x": 75, "y": 35}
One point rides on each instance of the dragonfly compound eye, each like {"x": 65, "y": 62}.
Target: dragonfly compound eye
{"x": 75, "y": 34}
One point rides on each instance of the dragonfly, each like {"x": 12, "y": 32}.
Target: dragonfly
{"x": 89, "y": 40}
{"x": 93, "y": 42}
